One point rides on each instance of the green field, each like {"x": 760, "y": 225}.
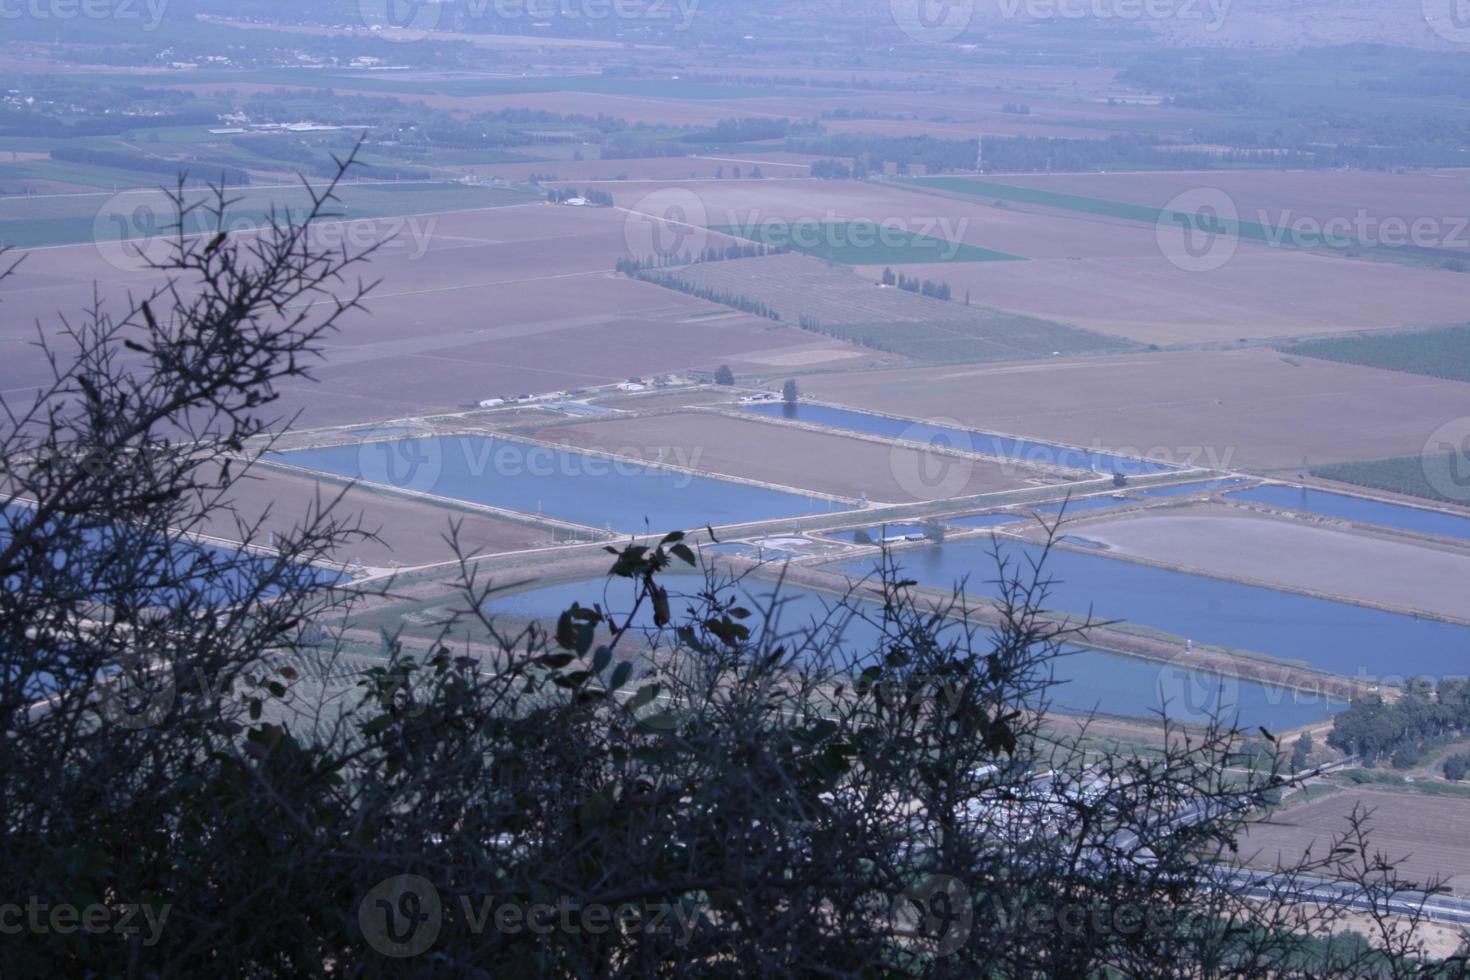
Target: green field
{"x": 1442, "y": 353}
{"x": 69, "y": 219}
{"x": 988, "y": 335}
{"x": 1416, "y": 476}
{"x": 863, "y": 243}
{"x": 1248, "y": 231}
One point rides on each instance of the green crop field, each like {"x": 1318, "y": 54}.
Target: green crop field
{"x": 68, "y": 219}
{"x": 1442, "y": 353}
{"x": 863, "y": 243}
{"x": 982, "y": 335}
{"x": 1247, "y": 231}
{"x": 1429, "y": 477}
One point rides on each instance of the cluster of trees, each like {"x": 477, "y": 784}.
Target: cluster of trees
{"x": 710, "y": 253}
{"x": 831, "y": 170}
{"x": 715, "y": 294}
{"x": 1457, "y": 767}
{"x": 1301, "y": 752}
{"x": 123, "y": 160}
{"x": 756, "y": 173}
{"x": 1042, "y": 153}
{"x": 627, "y": 147}
{"x": 1401, "y": 731}
{"x": 1389, "y": 110}
{"x": 740, "y": 250}
{"x": 925, "y": 287}
{"x": 741, "y": 131}
{"x": 873, "y": 154}
{"x": 18, "y": 121}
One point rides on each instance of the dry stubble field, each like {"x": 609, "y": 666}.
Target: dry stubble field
{"x": 1111, "y": 274}
{"x": 471, "y": 305}
{"x": 793, "y": 457}
{"x": 1249, "y": 409}
{"x": 410, "y": 532}
{"x": 1222, "y": 540}
{"x": 1430, "y": 834}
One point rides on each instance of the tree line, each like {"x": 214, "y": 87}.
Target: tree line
{"x": 1401, "y": 731}
{"x": 932, "y": 288}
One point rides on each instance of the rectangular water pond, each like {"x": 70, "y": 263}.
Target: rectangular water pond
{"x": 1332, "y": 636}
{"x": 1086, "y": 680}
{"x": 1359, "y": 509}
{"x": 595, "y": 491}
{"x": 1024, "y": 450}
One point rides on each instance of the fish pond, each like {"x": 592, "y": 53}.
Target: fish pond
{"x": 1086, "y": 680}
{"x": 581, "y": 488}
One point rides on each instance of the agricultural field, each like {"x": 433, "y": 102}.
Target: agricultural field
{"x": 406, "y": 532}
{"x": 1231, "y": 543}
{"x": 136, "y": 215}
{"x": 1436, "y": 353}
{"x": 1429, "y": 834}
{"x": 1248, "y": 409}
{"x": 1435, "y": 476}
{"x": 1275, "y": 196}
{"x": 1262, "y": 293}
{"x": 793, "y": 457}
{"x": 627, "y": 177}
{"x": 470, "y": 306}
{"x": 1258, "y": 228}
{"x": 1100, "y": 273}
{"x": 863, "y": 243}
{"x": 839, "y": 303}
